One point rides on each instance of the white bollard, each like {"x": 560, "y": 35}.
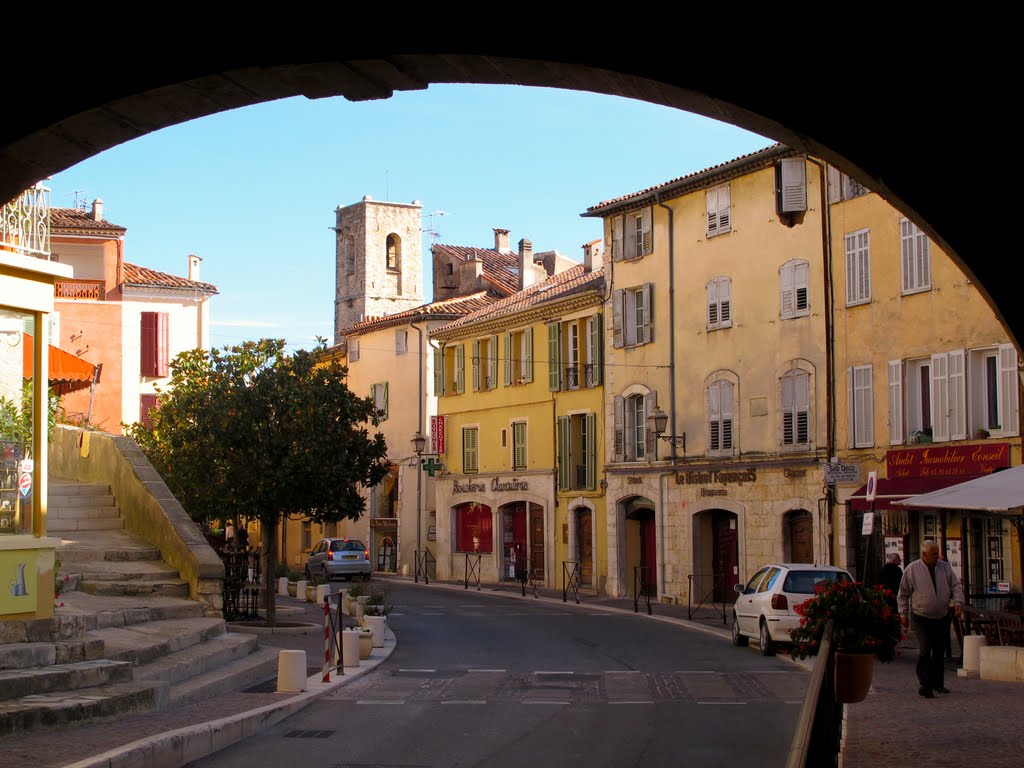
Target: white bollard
{"x": 322, "y": 591}
{"x": 350, "y": 648}
{"x": 972, "y": 652}
{"x": 291, "y": 671}
{"x": 282, "y": 586}
{"x": 300, "y": 589}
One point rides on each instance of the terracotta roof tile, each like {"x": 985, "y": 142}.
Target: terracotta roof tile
{"x": 75, "y": 221}
{"x": 709, "y": 173}
{"x": 142, "y": 277}
{"x": 500, "y": 269}
{"x": 572, "y": 281}
{"x": 435, "y": 310}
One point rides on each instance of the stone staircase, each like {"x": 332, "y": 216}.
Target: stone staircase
{"x": 126, "y": 638}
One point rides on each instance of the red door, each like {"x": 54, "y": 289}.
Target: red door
{"x": 537, "y": 542}
{"x": 726, "y": 557}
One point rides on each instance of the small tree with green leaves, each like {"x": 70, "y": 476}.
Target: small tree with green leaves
{"x": 252, "y": 431}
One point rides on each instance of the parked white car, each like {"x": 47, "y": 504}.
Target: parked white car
{"x": 764, "y": 608}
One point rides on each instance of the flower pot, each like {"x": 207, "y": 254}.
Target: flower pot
{"x": 310, "y": 593}
{"x": 365, "y": 644}
{"x": 853, "y": 673}
{"x": 292, "y": 586}
{"x": 377, "y": 624}
{"x": 356, "y": 611}
{"x": 350, "y": 647}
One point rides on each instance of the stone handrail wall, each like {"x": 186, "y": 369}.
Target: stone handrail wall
{"x": 147, "y": 505}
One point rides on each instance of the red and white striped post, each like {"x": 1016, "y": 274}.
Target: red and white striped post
{"x": 327, "y": 641}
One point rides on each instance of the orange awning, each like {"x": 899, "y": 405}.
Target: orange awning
{"x": 68, "y": 373}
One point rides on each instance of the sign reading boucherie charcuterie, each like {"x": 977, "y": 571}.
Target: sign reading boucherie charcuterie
{"x": 948, "y": 461}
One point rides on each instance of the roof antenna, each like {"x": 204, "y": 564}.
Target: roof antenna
{"x": 80, "y": 203}
{"x": 430, "y": 230}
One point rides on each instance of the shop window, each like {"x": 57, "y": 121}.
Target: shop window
{"x": 473, "y": 528}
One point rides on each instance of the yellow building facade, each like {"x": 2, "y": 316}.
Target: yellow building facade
{"x": 716, "y": 383}
{"x": 521, "y": 493}
{"x": 928, "y": 394}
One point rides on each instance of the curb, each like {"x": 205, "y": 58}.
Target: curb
{"x": 182, "y": 746}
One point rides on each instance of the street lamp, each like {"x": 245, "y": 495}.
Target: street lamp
{"x": 657, "y": 422}
{"x": 419, "y": 443}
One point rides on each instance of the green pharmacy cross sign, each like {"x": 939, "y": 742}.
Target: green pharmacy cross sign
{"x": 430, "y": 466}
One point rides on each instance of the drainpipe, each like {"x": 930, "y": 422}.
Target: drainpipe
{"x": 419, "y": 427}
{"x": 830, "y": 379}
{"x": 671, "y": 319}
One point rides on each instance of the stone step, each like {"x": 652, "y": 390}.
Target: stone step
{"x": 63, "y": 489}
{"x": 111, "y": 546}
{"x": 115, "y": 587}
{"x": 142, "y": 570}
{"x": 80, "y": 513}
{"x": 17, "y": 683}
{"x": 144, "y": 643}
{"x": 258, "y": 666}
{"x": 29, "y": 655}
{"x": 52, "y": 710}
{"x": 214, "y": 654}
{"x": 62, "y": 503}
{"x": 103, "y": 611}
{"x": 63, "y": 525}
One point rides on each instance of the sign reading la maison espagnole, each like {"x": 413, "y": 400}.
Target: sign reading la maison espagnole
{"x": 948, "y": 461}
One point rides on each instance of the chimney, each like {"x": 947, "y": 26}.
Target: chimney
{"x": 97, "y": 210}
{"x": 193, "y": 267}
{"x": 593, "y": 255}
{"x": 501, "y": 241}
{"x": 527, "y": 271}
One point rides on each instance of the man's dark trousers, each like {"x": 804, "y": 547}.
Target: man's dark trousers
{"x": 932, "y": 636}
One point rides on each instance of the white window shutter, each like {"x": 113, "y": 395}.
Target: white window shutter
{"x": 648, "y": 230}
{"x": 713, "y": 304}
{"x": 630, "y": 331}
{"x": 508, "y": 359}
{"x": 617, "y": 307}
{"x": 801, "y": 285}
{"x": 724, "y": 209}
{"x": 864, "y": 435}
{"x": 645, "y": 335}
{"x": 617, "y": 227}
{"x": 895, "y": 402}
{"x": 650, "y": 437}
{"x": 835, "y": 185}
{"x": 438, "y": 372}
{"x": 528, "y": 355}
{"x": 620, "y": 427}
{"x": 728, "y": 437}
{"x": 957, "y": 370}
{"x": 787, "y": 290}
{"x": 353, "y": 350}
{"x": 794, "y": 185}
{"x": 851, "y": 410}
{"x": 940, "y": 397}
{"x": 476, "y": 365}
{"x": 1009, "y": 410}
{"x": 725, "y": 302}
{"x": 711, "y": 200}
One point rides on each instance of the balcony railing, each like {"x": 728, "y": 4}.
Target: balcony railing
{"x": 25, "y": 223}
{"x": 78, "y": 289}
{"x": 572, "y": 377}
{"x": 589, "y": 375}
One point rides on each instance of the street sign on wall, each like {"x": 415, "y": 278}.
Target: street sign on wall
{"x": 837, "y": 472}
{"x": 438, "y": 425}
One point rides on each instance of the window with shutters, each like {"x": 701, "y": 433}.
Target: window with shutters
{"x": 860, "y": 404}
{"x": 401, "y": 341}
{"x": 439, "y": 356}
{"x": 915, "y": 250}
{"x": 842, "y": 187}
{"x": 379, "y": 393}
{"x": 721, "y": 422}
{"x": 791, "y": 176}
{"x": 470, "y": 449}
{"x": 633, "y": 441}
{"x": 796, "y": 409}
{"x": 928, "y": 398}
{"x": 636, "y": 428}
{"x": 574, "y": 353}
{"x": 458, "y": 370}
{"x": 577, "y": 452}
{"x": 485, "y": 363}
{"x": 518, "y": 356}
{"x": 519, "y": 454}
{"x": 719, "y": 303}
{"x": 917, "y": 407}
{"x": 633, "y": 316}
{"x": 155, "y": 352}
{"x": 719, "y": 213}
{"x": 353, "y": 350}
{"x": 858, "y": 267}
{"x": 632, "y": 234}
{"x": 994, "y": 382}
{"x": 793, "y": 289}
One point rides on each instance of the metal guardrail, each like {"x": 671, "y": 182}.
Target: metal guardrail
{"x": 819, "y": 727}
{"x": 243, "y": 582}
{"x": 333, "y": 631}
{"x": 641, "y": 587}
{"x": 424, "y": 563}
{"x": 570, "y": 580}
{"x": 472, "y": 570}
{"x": 697, "y": 583}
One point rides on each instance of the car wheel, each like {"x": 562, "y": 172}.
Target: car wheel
{"x": 767, "y": 644}
{"x": 738, "y": 639}
{"x": 309, "y": 576}
{"x": 326, "y": 575}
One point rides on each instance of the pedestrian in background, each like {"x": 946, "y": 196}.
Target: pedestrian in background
{"x": 892, "y": 575}
{"x": 928, "y": 587}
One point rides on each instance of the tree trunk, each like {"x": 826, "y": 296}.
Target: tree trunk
{"x": 270, "y": 564}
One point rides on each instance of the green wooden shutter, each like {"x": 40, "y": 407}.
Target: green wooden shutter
{"x": 519, "y": 445}
{"x": 492, "y": 362}
{"x": 554, "y": 357}
{"x": 597, "y": 348}
{"x": 460, "y": 369}
{"x": 528, "y": 355}
{"x": 564, "y": 451}
{"x": 508, "y": 359}
{"x": 590, "y": 446}
{"x": 438, "y": 372}
{"x": 470, "y": 455}
{"x": 476, "y": 365}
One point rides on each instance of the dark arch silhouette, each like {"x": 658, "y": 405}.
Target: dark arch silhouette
{"x": 917, "y": 123}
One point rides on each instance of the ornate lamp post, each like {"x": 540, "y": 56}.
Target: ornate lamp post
{"x": 419, "y": 443}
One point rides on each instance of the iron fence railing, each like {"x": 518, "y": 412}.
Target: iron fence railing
{"x": 570, "y": 580}
{"x": 472, "y": 570}
{"x": 243, "y": 582}
{"x": 702, "y": 588}
{"x": 426, "y": 566}
{"x": 642, "y": 587}
{"x": 819, "y": 729}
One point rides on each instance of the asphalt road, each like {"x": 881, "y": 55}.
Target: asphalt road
{"x": 486, "y": 681}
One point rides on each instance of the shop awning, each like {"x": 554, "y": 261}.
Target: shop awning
{"x": 68, "y": 373}
{"x": 1001, "y": 492}
{"x": 891, "y": 490}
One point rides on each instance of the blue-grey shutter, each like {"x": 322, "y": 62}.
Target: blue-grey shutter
{"x": 554, "y": 357}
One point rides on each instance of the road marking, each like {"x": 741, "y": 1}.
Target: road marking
{"x": 542, "y": 701}
{"x": 463, "y": 701}
{"x": 630, "y": 702}
{"x": 721, "y": 702}
{"x": 623, "y": 672}
{"x": 431, "y": 614}
{"x": 417, "y": 670}
{"x": 381, "y": 701}
{"x": 486, "y": 670}
{"x": 597, "y": 614}
{"x": 553, "y": 673}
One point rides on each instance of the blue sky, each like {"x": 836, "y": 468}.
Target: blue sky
{"x": 253, "y": 191}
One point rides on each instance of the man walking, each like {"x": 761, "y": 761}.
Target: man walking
{"x": 926, "y": 590}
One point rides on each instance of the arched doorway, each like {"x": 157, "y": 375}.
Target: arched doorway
{"x": 522, "y": 539}
{"x": 641, "y": 547}
{"x": 798, "y": 536}
{"x": 386, "y": 554}
{"x": 716, "y": 554}
{"x": 584, "y": 554}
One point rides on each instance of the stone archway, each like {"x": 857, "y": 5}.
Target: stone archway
{"x": 55, "y": 127}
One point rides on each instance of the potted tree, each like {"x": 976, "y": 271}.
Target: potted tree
{"x": 865, "y": 628}
{"x": 377, "y": 609}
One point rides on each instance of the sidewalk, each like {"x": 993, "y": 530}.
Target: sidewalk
{"x": 980, "y": 721}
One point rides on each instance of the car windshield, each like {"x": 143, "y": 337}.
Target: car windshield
{"x": 347, "y": 546}
{"x": 803, "y": 582}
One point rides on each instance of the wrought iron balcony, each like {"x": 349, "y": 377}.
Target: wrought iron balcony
{"x": 572, "y": 377}
{"x": 25, "y": 223}
{"x": 589, "y": 375}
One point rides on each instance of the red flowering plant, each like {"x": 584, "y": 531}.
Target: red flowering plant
{"x": 863, "y": 622}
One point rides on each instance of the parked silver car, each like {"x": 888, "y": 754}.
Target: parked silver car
{"x": 764, "y": 608}
{"x": 339, "y": 557}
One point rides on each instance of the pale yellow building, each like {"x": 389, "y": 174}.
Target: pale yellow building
{"x": 927, "y": 396}
{"x": 521, "y": 495}
{"x": 717, "y": 384}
